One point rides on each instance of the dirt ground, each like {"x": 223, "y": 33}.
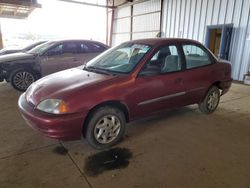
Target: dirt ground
{"x": 179, "y": 148}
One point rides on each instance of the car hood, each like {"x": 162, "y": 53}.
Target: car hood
{"x": 3, "y": 52}
{"x": 16, "y": 56}
{"x": 63, "y": 84}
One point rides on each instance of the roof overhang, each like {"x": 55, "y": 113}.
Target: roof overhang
{"x": 18, "y": 9}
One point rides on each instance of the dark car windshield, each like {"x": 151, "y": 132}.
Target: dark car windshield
{"x": 33, "y": 45}
{"x": 120, "y": 59}
{"x": 40, "y": 49}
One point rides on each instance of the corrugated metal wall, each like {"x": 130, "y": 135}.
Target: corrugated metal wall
{"x": 190, "y": 18}
{"x": 122, "y": 25}
{"x": 146, "y": 19}
{"x": 141, "y": 20}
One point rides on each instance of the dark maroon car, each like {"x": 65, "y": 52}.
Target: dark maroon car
{"x": 132, "y": 80}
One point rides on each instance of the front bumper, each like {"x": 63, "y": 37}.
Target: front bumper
{"x": 62, "y": 127}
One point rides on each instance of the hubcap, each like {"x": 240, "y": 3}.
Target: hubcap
{"x": 107, "y": 129}
{"x": 213, "y": 100}
{"x": 22, "y": 80}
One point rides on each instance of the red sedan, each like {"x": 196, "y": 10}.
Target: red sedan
{"x": 132, "y": 80}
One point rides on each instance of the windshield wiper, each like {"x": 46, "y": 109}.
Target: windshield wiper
{"x": 98, "y": 70}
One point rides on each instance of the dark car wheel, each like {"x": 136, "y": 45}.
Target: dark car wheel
{"x": 21, "y": 79}
{"x": 211, "y": 101}
{"x": 106, "y": 127}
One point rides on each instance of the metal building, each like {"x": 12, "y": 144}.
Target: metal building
{"x": 138, "y": 20}
{"x": 222, "y": 25}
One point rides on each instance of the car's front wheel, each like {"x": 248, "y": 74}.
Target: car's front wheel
{"x": 211, "y": 100}
{"x": 106, "y": 127}
{"x": 21, "y": 79}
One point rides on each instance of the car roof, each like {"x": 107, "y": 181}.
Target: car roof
{"x": 74, "y": 40}
{"x": 160, "y": 41}
{"x": 78, "y": 40}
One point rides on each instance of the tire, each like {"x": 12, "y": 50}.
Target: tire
{"x": 99, "y": 133}
{"x": 211, "y": 101}
{"x": 21, "y": 79}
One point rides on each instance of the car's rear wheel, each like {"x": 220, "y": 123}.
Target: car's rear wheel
{"x": 21, "y": 79}
{"x": 211, "y": 101}
{"x": 106, "y": 127}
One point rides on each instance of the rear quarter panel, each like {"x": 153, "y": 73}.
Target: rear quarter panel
{"x": 199, "y": 80}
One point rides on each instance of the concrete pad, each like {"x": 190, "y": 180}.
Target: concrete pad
{"x": 40, "y": 168}
{"x": 178, "y": 148}
{"x": 235, "y": 110}
{"x": 16, "y": 136}
{"x": 241, "y": 88}
{"x": 232, "y": 95}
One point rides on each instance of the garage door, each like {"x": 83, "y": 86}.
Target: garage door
{"x": 141, "y": 20}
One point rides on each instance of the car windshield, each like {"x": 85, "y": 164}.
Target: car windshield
{"x": 40, "y": 49}
{"x": 33, "y": 45}
{"x": 120, "y": 59}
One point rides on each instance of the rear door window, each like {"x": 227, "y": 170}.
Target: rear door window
{"x": 84, "y": 48}
{"x": 195, "y": 56}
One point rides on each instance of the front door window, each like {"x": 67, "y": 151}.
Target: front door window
{"x": 165, "y": 60}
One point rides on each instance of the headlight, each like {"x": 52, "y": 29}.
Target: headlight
{"x": 53, "y": 106}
